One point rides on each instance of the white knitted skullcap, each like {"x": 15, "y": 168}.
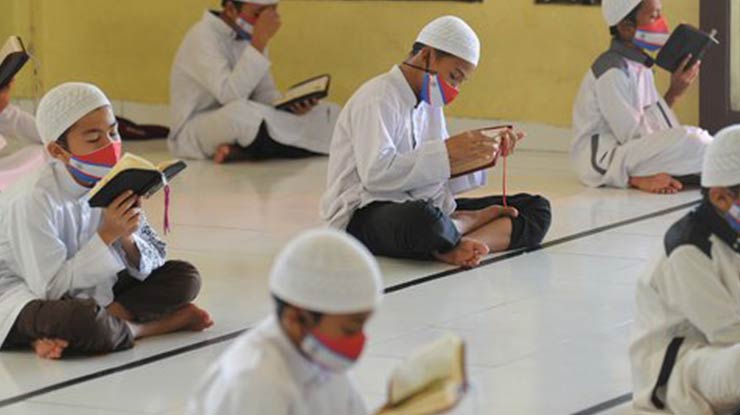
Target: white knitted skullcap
{"x": 452, "y": 35}
{"x": 616, "y": 10}
{"x": 722, "y": 159}
{"x": 64, "y": 105}
{"x": 327, "y": 271}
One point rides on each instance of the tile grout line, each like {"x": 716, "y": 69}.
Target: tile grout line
{"x": 394, "y": 288}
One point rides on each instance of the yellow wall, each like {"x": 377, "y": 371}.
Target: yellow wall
{"x": 533, "y": 57}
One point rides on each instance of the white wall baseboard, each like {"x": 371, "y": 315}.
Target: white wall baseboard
{"x": 540, "y": 137}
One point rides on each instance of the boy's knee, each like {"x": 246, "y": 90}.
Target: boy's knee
{"x": 185, "y": 278}
{"x": 530, "y": 228}
{"x": 92, "y": 330}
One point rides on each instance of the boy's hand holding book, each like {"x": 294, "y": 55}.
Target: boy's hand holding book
{"x": 121, "y": 218}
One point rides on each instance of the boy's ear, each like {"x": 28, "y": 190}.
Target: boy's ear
{"x": 57, "y": 152}
{"x": 721, "y": 199}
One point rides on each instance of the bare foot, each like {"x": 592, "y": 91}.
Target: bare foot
{"x": 468, "y": 254}
{"x": 189, "y": 318}
{"x": 661, "y": 183}
{"x": 200, "y": 319}
{"x": 227, "y": 153}
{"x": 49, "y": 348}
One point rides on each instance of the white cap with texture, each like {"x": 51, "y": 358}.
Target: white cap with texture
{"x": 616, "y": 10}
{"x": 452, "y": 35}
{"x": 722, "y": 159}
{"x": 64, "y": 105}
{"x": 327, "y": 271}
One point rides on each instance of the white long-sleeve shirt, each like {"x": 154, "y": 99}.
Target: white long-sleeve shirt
{"x": 214, "y": 68}
{"x": 389, "y": 147}
{"x": 50, "y": 248}
{"x": 617, "y": 103}
{"x": 263, "y": 373}
{"x": 17, "y": 123}
{"x": 691, "y": 291}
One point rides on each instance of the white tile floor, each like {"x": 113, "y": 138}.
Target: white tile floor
{"x": 547, "y": 331}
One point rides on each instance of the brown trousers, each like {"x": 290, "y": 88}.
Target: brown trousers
{"x": 89, "y": 328}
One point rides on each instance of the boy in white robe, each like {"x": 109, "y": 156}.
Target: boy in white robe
{"x": 80, "y": 279}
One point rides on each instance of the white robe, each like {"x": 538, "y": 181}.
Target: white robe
{"x": 50, "y": 248}
{"x": 17, "y": 123}
{"x": 389, "y": 147}
{"x": 691, "y": 291}
{"x": 221, "y": 91}
{"x": 263, "y": 373}
{"x": 624, "y": 128}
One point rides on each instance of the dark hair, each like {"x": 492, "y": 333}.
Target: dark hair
{"x": 63, "y": 141}
{"x": 280, "y": 308}
{"x": 238, "y": 4}
{"x": 418, "y": 46}
{"x": 632, "y": 17}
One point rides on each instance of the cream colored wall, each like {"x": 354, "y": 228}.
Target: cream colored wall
{"x": 533, "y": 57}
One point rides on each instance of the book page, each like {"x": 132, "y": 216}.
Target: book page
{"x": 315, "y": 86}
{"x": 12, "y": 45}
{"x": 435, "y": 362}
{"x": 128, "y": 161}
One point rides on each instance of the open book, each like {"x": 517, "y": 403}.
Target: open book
{"x": 477, "y": 162}
{"x": 685, "y": 40}
{"x": 431, "y": 381}
{"x": 314, "y": 88}
{"x": 13, "y": 56}
{"x": 135, "y": 174}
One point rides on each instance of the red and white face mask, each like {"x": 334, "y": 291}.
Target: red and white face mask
{"x": 654, "y": 36}
{"x": 90, "y": 168}
{"x": 337, "y": 354}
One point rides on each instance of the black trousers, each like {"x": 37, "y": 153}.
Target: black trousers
{"x": 265, "y": 147}
{"x": 418, "y": 229}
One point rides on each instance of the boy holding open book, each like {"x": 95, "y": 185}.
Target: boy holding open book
{"x": 391, "y": 167}
{"x": 225, "y": 105}
{"x": 75, "y": 278}
{"x": 626, "y": 133}
{"x": 326, "y": 286}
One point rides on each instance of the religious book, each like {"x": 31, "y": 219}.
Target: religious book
{"x": 685, "y": 40}
{"x": 314, "y": 88}
{"x": 136, "y": 174}
{"x": 477, "y": 162}
{"x": 431, "y": 381}
{"x": 13, "y": 56}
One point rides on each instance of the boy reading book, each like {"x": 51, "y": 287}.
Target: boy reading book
{"x": 626, "y": 134}
{"x": 326, "y": 286}
{"x": 392, "y": 161}
{"x": 75, "y": 278}
{"x": 223, "y": 96}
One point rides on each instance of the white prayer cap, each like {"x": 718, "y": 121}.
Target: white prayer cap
{"x": 452, "y": 35}
{"x": 327, "y": 271}
{"x": 722, "y": 159}
{"x": 616, "y": 10}
{"x": 64, "y": 105}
